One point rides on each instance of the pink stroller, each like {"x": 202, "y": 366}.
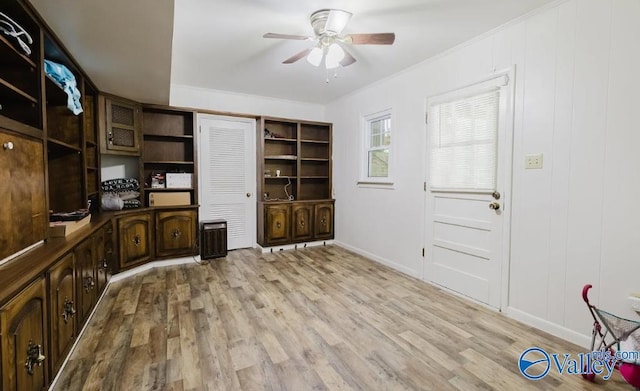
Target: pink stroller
{"x": 617, "y": 331}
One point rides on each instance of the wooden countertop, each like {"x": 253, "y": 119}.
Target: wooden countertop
{"x": 20, "y": 271}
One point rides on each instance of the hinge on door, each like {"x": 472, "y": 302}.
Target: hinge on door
{"x": 426, "y": 117}
{"x": 423, "y": 251}
{"x": 425, "y": 186}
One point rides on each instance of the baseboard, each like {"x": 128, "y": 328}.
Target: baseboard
{"x": 549, "y": 327}
{"x": 384, "y": 261}
{"x": 153, "y": 265}
{"x": 294, "y": 246}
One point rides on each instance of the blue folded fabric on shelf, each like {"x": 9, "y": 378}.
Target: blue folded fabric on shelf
{"x": 62, "y": 76}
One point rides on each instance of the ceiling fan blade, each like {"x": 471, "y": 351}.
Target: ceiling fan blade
{"x": 370, "y": 39}
{"x": 297, "y": 56}
{"x": 348, "y": 58}
{"x": 286, "y": 36}
{"x": 337, "y": 20}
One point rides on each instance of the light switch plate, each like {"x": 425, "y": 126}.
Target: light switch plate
{"x": 533, "y": 161}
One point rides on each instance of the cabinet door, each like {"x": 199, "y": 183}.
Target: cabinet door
{"x": 23, "y": 330}
{"x": 302, "y": 222}
{"x": 134, "y": 234}
{"x": 110, "y": 265}
{"x": 62, "y": 309}
{"x": 323, "y": 227}
{"x": 122, "y": 127}
{"x": 100, "y": 260}
{"x": 85, "y": 281}
{"x": 176, "y": 233}
{"x": 23, "y": 220}
{"x": 277, "y": 227}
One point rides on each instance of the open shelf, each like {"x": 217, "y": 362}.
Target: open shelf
{"x": 166, "y": 137}
{"x": 279, "y": 139}
{"x": 281, "y": 157}
{"x": 58, "y": 148}
{"x": 169, "y": 140}
{"x": 177, "y": 162}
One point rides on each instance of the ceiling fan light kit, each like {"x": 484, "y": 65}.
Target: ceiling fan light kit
{"x": 328, "y": 25}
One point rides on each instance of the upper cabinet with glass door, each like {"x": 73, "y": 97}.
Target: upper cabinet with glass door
{"x": 120, "y": 121}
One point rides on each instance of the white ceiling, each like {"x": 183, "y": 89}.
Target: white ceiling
{"x": 126, "y": 46}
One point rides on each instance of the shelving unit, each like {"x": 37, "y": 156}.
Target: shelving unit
{"x": 168, "y": 137}
{"x": 300, "y": 151}
{"x": 91, "y": 148}
{"x": 20, "y": 78}
{"x": 65, "y": 138}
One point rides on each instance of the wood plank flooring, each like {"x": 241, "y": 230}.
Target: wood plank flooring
{"x": 320, "y": 318}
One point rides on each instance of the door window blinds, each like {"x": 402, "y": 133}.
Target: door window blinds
{"x": 463, "y": 139}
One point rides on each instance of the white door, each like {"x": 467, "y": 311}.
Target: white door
{"x": 469, "y": 145}
{"x": 227, "y": 164}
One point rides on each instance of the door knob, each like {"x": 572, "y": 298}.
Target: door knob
{"x": 8, "y": 145}
{"x": 494, "y": 205}
{"x": 496, "y": 195}
{"x": 248, "y": 195}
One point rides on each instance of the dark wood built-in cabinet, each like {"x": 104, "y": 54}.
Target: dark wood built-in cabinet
{"x": 20, "y": 74}
{"x": 294, "y": 181}
{"x": 169, "y": 148}
{"x": 135, "y": 243}
{"x": 62, "y": 309}
{"x": 24, "y": 345}
{"x": 85, "y": 280}
{"x": 176, "y": 233}
{"x": 120, "y": 128}
{"x": 23, "y": 220}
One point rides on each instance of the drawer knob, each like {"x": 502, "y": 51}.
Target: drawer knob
{"x": 8, "y": 146}
{"x": 278, "y": 225}
{"x": 302, "y": 223}
{"x": 136, "y": 240}
{"x": 176, "y": 233}
{"x": 34, "y": 357}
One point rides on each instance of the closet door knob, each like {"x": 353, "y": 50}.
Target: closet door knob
{"x": 8, "y": 146}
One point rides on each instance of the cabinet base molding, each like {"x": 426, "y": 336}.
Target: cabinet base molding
{"x": 294, "y": 246}
{"x": 153, "y": 265}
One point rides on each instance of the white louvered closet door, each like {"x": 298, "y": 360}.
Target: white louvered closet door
{"x": 227, "y": 164}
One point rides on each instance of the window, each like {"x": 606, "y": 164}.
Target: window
{"x": 377, "y": 149}
{"x": 463, "y": 131}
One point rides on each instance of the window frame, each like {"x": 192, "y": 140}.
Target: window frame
{"x": 366, "y": 181}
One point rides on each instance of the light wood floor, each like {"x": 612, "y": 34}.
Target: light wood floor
{"x": 314, "y": 319}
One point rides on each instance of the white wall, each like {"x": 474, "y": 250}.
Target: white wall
{"x": 253, "y": 105}
{"x": 577, "y": 220}
{"x": 115, "y": 166}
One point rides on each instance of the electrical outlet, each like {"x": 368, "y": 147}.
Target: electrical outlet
{"x": 533, "y": 161}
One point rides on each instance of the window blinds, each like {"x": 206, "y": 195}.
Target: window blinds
{"x": 463, "y": 134}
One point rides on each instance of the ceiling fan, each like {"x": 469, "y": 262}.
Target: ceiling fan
{"x": 327, "y": 26}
